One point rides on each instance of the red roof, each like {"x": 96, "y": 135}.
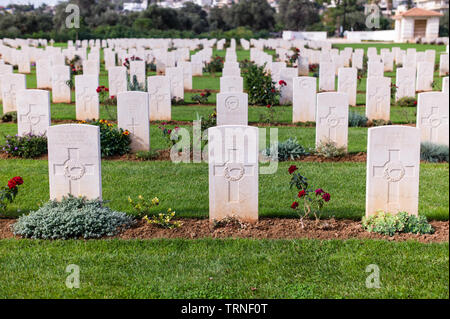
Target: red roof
{"x": 417, "y": 12}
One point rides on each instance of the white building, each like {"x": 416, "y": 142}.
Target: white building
{"x": 435, "y": 5}
{"x": 135, "y": 6}
{"x": 417, "y": 23}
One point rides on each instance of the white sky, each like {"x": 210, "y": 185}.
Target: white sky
{"x": 35, "y": 2}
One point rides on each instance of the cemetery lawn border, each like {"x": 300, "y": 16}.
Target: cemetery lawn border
{"x": 214, "y": 268}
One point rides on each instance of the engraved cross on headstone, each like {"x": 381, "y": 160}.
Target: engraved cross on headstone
{"x": 233, "y": 171}
{"x": 378, "y": 97}
{"x": 432, "y": 122}
{"x": 333, "y": 121}
{"x": 31, "y": 119}
{"x": 73, "y": 170}
{"x": 393, "y": 171}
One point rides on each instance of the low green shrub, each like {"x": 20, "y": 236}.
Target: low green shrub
{"x": 113, "y": 141}
{"x": 433, "y": 153}
{"x": 72, "y": 217}
{"x": 215, "y": 65}
{"x": 356, "y": 120}
{"x": 260, "y": 87}
{"x": 287, "y": 150}
{"x": 9, "y": 117}
{"x": 407, "y": 102}
{"x": 28, "y": 146}
{"x": 380, "y": 122}
{"x": 388, "y": 224}
{"x": 329, "y": 149}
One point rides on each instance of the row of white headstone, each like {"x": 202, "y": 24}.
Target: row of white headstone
{"x": 392, "y": 178}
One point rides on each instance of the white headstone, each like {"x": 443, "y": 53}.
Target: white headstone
{"x": 60, "y": 90}
{"x": 133, "y": 116}
{"x": 117, "y": 80}
{"x": 187, "y": 75}
{"x": 406, "y": 83}
{"x": 137, "y": 68}
{"x": 443, "y": 64}
{"x": 231, "y": 84}
{"x": 160, "y": 103}
{"x": 304, "y": 100}
{"x": 86, "y": 97}
{"x": 332, "y": 118}
{"x": 375, "y": 69}
{"x": 347, "y": 83}
{"x": 4, "y": 69}
{"x": 43, "y": 74}
{"x": 287, "y": 75}
{"x": 176, "y": 82}
{"x": 74, "y": 161}
{"x": 326, "y": 76}
{"x": 33, "y": 112}
{"x": 432, "y": 117}
{"x": 392, "y": 181}
{"x": 11, "y": 84}
{"x": 232, "y": 108}
{"x": 425, "y": 75}
{"x": 445, "y": 85}
{"x": 233, "y": 172}
{"x": 378, "y": 98}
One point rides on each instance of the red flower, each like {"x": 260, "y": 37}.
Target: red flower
{"x": 415, "y": 102}
{"x": 202, "y": 94}
{"x": 18, "y": 180}
{"x": 106, "y": 89}
{"x": 301, "y": 193}
{"x": 282, "y": 83}
{"x": 292, "y": 169}
{"x": 297, "y": 50}
{"x": 326, "y": 197}
{"x": 169, "y": 131}
{"x": 269, "y": 106}
{"x": 176, "y": 128}
{"x": 113, "y": 97}
{"x": 12, "y": 184}
{"x": 319, "y": 191}
{"x": 273, "y": 90}
{"x": 294, "y": 205}
{"x": 98, "y": 90}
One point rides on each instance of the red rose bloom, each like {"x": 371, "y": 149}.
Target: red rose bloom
{"x": 294, "y": 205}
{"x": 106, "y": 89}
{"x": 319, "y": 191}
{"x": 169, "y": 131}
{"x": 292, "y": 169}
{"x": 269, "y": 106}
{"x": 282, "y": 82}
{"x": 12, "y": 184}
{"x": 326, "y": 197}
{"x": 98, "y": 90}
{"x": 202, "y": 94}
{"x": 113, "y": 97}
{"x": 18, "y": 180}
{"x": 301, "y": 193}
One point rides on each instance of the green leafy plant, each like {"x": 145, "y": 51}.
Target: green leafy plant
{"x": 9, "y": 192}
{"x": 9, "y": 117}
{"x": 356, "y": 120}
{"x": 147, "y": 155}
{"x": 260, "y": 87}
{"x": 312, "y": 200}
{"x": 178, "y": 101}
{"x": 106, "y": 100}
{"x": 72, "y": 217}
{"x": 27, "y": 146}
{"x": 268, "y": 116}
{"x": 287, "y": 150}
{"x": 113, "y": 141}
{"x": 329, "y": 149}
{"x": 433, "y": 153}
{"x": 134, "y": 85}
{"x": 380, "y": 122}
{"x": 389, "y": 224}
{"x": 407, "y": 102}
{"x": 170, "y": 135}
{"x": 201, "y": 98}
{"x": 293, "y": 57}
{"x": 208, "y": 122}
{"x": 142, "y": 206}
{"x": 76, "y": 68}
{"x": 164, "y": 220}
{"x": 215, "y": 65}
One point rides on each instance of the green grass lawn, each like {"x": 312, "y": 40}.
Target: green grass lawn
{"x": 210, "y": 268}
{"x": 184, "y": 187}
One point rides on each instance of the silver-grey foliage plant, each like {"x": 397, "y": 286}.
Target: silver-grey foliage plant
{"x": 72, "y": 217}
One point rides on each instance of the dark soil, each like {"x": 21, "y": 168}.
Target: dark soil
{"x": 265, "y": 228}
